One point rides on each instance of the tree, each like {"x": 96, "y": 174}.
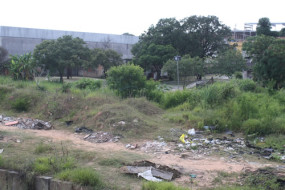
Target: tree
{"x": 187, "y": 67}
{"x": 263, "y": 27}
{"x": 204, "y": 36}
{"x": 62, "y": 54}
{"x": 268, "y": 54}
{"x": 229, "y": 62}
{"x": 106, "y": 58}
{"x": 196, "y": 36}
{"x": 271, "y": 66}
{"x": 256, "y": 46}
{"x": 152, "y": 57}
{"x": 282, "y": 32}
{"x": 127, "y": 80}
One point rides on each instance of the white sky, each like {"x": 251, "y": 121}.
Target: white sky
{"x": 132, "y": 16}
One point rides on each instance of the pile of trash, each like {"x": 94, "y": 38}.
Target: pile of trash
{"x": 198, "y": 143}
{"x": 154, "y": 147}
{"x": 101, "y": 137}
{"x": 25, "y": 123}
{"x": 151, "y": 171}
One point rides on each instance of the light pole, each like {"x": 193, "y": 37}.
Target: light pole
{"x": 177, "y": 59}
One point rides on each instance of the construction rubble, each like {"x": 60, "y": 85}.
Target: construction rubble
{"x": 25, "y": 123}
{"x": 151, "y": 171}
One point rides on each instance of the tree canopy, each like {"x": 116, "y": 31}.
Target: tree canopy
{"x": 229, "y": 62}
{"x": 187, "y": 67}
{"x": 106, "y": 58}
{"x": 196, "y": 35}
{"x": 64, "y": 53}
{"x": 268, "y": 55}
{"x": 263, "y": 27}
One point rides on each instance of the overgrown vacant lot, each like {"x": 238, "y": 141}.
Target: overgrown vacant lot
{"x": 253, "y": 113}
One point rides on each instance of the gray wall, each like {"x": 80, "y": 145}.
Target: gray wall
{"x": 23, "y": 40}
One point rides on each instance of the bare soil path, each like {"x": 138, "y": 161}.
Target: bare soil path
{"x": 205, "y": 167}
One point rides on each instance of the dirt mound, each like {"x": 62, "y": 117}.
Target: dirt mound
{"x": 144, "y": 106}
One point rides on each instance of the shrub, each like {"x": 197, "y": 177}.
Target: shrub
{"x": 247, "y": 85}
{"x": 42, "y": 148}
{"x": 161, "y": 186}
{"x": 176, "y": 98}
{"x": 21, "y": 104}
{"x": 152, "y": 91}
{"x": 127, "y": 80}
{"x": 88, "y": 84}
{"x": 82, "y": 176}
{"x": 251, "y": 126}
{"x": 238, "y": 75}
{"x": 49, "y": 165}
{"x": 65, "y": 88}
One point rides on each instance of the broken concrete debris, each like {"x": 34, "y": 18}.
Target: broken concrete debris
{"x": 101, "y": 137}
{"x": 25, "y": 123}
{"x": 151, "y": 171}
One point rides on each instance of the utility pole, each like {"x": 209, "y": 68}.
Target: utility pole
{"x": 177, "y": 59}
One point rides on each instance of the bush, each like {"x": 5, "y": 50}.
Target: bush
{"x": 152, "y": 91}
{"x": 251, "y": 126}
{"x": 21, "y": 104}
{"x": 247, "y": 85}
{"x": 65, "y": 88}
{"x": 161, "y": 186}
{"x": 82, "y": 176}
{"x": 238, "y": 75}
{"x": 42, "y": 148}
{"x": 88, "y": 84}
{"x": 172, "y": 99}
{"x": 50, "y": 165}
{"x": 127, "y": 80}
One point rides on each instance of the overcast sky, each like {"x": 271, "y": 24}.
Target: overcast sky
{"x": 132, "y": 16}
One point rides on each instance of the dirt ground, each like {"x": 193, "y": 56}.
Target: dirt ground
{"x": 205, "y": 167}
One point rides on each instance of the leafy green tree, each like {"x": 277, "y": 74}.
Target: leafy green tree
{"x": 268, "y": 57}
{"x": 152, "y": 57}
{"x": 203, "y": 36}
{"x": 127, "y": 80}
{"x": 263, "y": 27}
{"x": 62, "y": 54}
{"x": 229, "y": 62}
{"x": 196, "y": 36}
{"x": 256, "y": 46}
{"x": 22, "y": 67}
{"x": 106, "y": 58}
{"x": 282, "y": 32}
{"x": 271, "y": 67}
{"x": 187, "y": 67}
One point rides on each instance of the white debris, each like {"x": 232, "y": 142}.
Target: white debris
{"x": 148, "y": 176}
{"x": 191, "y": 131}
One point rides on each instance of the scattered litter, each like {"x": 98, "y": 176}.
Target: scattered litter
{"x": 11, "y": 123}
{"x": 25, "y": 123}
{"x": 130, "y": 146}
{"x": 135, "y": 120}
{"x": 101, "y": 137}
{"x": 148, "y": 176}
{"x": 191, "y": 132}
{"x": 1, "y": 150}
{"x": 151, "y": 171}
{"x": 154, "y": 147}
{"x": 83, "y": 130}
{"x": 182, "y": 138}
{"x": 122, "y": 123}
{"x": 68, "y": 123}
{"x": 193, "y": 175}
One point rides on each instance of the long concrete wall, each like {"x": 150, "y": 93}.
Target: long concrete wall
{"x": 11, "y": 180}
{"x": 19, "y": 41}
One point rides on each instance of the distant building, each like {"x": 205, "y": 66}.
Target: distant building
{"x": 19, "y": 41}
